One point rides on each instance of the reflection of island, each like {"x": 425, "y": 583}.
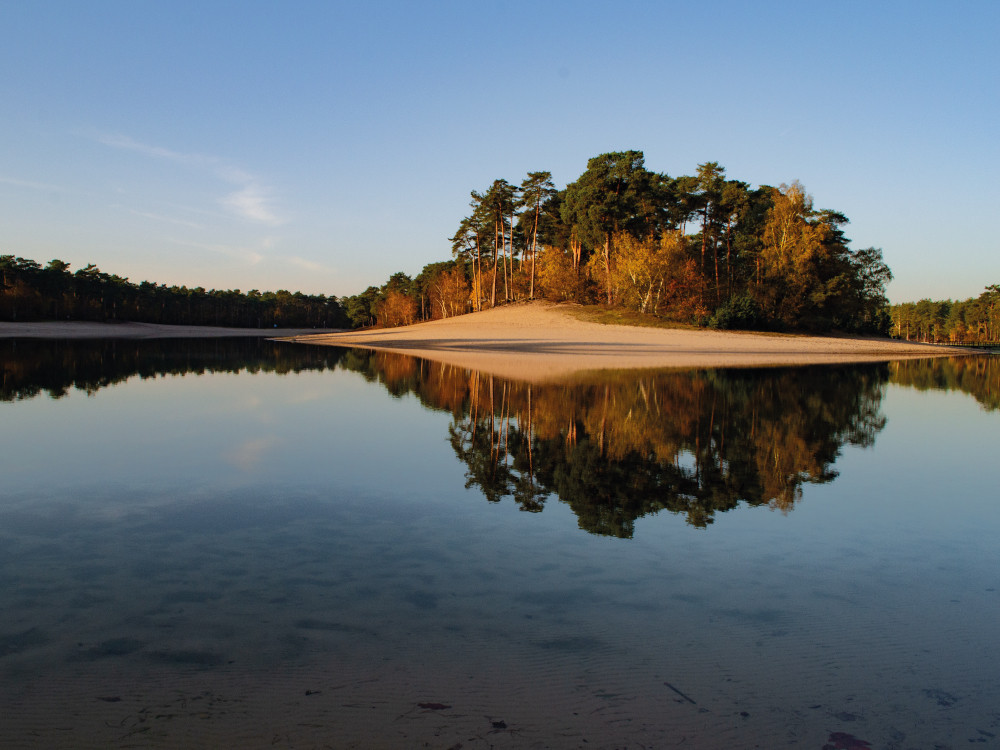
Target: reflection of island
{"x": 691, "y": 442}
{"x": 631, "y": 444}
{"x": 31, "y": 367}
{"x": 635, "y": 443}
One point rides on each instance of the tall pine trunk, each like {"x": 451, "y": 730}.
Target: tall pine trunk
{"x": 534, "y": 249}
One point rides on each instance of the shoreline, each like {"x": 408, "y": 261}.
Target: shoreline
{"x": 540, "y": 341}
{"x": 536, "y": 341}
{"x": 90, "y": 330}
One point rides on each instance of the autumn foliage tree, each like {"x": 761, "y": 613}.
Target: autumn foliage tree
{"x": 449, "y": 293}
{"x": 701, "y": 248}
{"x": 682, "y": 247}
{"x": 791, "y": 257}
{"x": 396, "y": 309}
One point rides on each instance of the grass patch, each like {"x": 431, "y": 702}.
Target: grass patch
{"x": 616, "y": 317}
{"x": 610, "y": 316}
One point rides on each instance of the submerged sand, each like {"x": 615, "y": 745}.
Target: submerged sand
{"x": 541, "y": 340}
{"x": 87, "y": 330}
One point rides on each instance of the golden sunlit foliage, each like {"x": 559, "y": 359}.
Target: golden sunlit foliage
{"x": 396, "y": 309}
{"x": 555, "y": 277}
{"x": 449, "y": 294}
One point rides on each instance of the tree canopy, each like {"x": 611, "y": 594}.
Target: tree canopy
{"x": 692, "y": 248}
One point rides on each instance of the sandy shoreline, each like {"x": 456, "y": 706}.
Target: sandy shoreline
{"x": 87, "y": 330}
{"x": 541, "y": 341}
{"x": 536, "y": 341}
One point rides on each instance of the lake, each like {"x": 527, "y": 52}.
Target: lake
{"x": 243, "y": 543}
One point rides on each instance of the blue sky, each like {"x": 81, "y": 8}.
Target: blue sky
{"x": 323, "y": 146}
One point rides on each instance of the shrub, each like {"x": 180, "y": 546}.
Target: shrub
{"x": 739, "y": 313}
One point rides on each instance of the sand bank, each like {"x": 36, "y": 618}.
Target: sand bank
{"x": 86, "y": 330}
{"x": 542, "y": 341}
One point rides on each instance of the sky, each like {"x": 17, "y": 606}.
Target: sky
{"x": 323, "y": 146}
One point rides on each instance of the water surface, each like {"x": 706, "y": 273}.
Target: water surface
{"x": 252, "y": 544}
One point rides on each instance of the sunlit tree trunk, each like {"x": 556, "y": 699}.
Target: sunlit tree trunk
{"x": 607, "y": 264}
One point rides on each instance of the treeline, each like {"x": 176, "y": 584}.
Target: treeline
{"x": 30, "y": 291}
{"x": 698, "y": 248}
{"x": 440, "y": 290}
{"x": 975, "y": 320}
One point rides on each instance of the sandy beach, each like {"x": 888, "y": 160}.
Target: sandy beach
{"x": 87, "y": 330}
{"x": 537, "y": 341}
{"x": 541, "y": 341}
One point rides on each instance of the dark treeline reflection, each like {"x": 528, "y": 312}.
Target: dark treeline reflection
{"x": 33, "y": 367}
{"x": 978, "y": 376}
{"x": 636, "y": 443}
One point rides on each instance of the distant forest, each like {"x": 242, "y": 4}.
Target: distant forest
{"x": 699, "y": 248}
{"x": 30, "y": 291}
{"x": 975, "y": 320}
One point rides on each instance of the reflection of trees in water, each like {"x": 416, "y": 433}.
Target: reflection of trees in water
{"x": 31, "y": 367}
{"x": 632, "y": 444}
{"x": 978, "y": 376}
{"x": 691, "y": 442}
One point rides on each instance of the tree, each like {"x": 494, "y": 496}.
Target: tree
{"x": 734, "y": 204}
{"x": 638, "y": 270}
{"x": 710, "y": 183}
{"x": 536, "y": 188}
{"x": 870, "y": 308}
{"x": 557, "y": 277}
{"x": 396, "y": 309}
{"x": 466, "y": 246}
{"x": 683, "y": 290}
{"x": 361, "y": 308}
{"x": 791, "y": 252}
{"x": 448, "y": 291}
{"x": 991, "y": 300}
{"x": 397, "y": 304}
{"x": 493, "y": 212}
{"x": 609, "y": 198}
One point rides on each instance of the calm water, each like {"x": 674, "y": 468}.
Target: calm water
{"x": 250, "y": 544}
